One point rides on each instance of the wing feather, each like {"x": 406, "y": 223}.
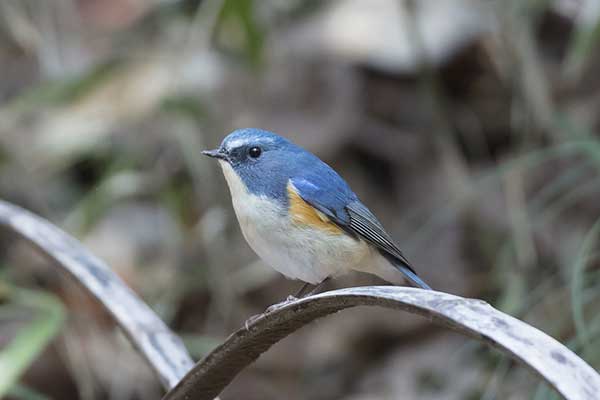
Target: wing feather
{"x": 370, "y": 229}
{"x": 346, "y": 211}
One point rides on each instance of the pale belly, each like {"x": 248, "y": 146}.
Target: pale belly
{"x": 298, "y": 252}
{"x": 303, "y": 253}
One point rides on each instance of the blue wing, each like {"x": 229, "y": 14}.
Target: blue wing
{"x": 330, "y": 202}
{"x": 342, "y": 206}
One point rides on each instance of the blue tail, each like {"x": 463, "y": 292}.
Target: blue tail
{"x": 402, "y": 265}
{"x": 412, "y": 277}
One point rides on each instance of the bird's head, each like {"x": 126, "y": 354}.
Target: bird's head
{"x": 250, "y": 148}
{"x": 262, "y": 160}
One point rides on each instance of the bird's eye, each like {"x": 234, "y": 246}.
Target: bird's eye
{"x": 254, "y": 152}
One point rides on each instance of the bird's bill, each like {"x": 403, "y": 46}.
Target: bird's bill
{"x": 216, "y": 153}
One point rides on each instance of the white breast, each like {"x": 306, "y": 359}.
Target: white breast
{"x": 303, "y": 253}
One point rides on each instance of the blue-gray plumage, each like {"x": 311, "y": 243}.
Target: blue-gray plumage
{"x": 299, "y": 215}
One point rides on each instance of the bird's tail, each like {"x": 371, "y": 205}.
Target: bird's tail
{"x": 403, "y": 266}
{"x": 412, "y": 276}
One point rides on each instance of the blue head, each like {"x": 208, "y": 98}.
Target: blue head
{"x": 265, "y": 162}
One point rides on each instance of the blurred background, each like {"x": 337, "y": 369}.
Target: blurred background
{"x": 469, "y": 127}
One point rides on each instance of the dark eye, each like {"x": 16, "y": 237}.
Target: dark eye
{"x": 254, "y": 152}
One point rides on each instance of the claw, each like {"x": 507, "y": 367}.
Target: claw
{"x": 252, "y": 319}
{"x": 269, "y": 309}
{"x": 283, "y": 303}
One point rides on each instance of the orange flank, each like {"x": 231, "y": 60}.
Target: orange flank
{"x": 304, "y": 214}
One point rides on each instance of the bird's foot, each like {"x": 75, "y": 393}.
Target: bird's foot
{"x": 251, "y": 320}
{"x": 283, "y": 303}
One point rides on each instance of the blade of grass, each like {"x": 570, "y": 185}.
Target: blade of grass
{"x": 577, "y": 284}
{"x": 163, "y": 350}
{"x": 569, "y": 200}
{"x": 32, "y": 339}
{"x": 530, "y": 160}
{"x": 241, "y": 14}
{"x": 562, "y": 183}
{"x": 583, "y": 40}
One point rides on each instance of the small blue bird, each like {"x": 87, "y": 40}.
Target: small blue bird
{"x": 300, "y": 216}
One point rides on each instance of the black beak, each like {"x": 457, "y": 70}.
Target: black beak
{"x": 215, "y": 154}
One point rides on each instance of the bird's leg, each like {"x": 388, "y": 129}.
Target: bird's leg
{"x": 290, "y": 298}
{"x": 318, "y": 287}
{"x": 275, "y": 306}
{"x": 304, "y": 290}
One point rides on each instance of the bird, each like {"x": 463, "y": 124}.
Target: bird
{"x": 300, "y": 216}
